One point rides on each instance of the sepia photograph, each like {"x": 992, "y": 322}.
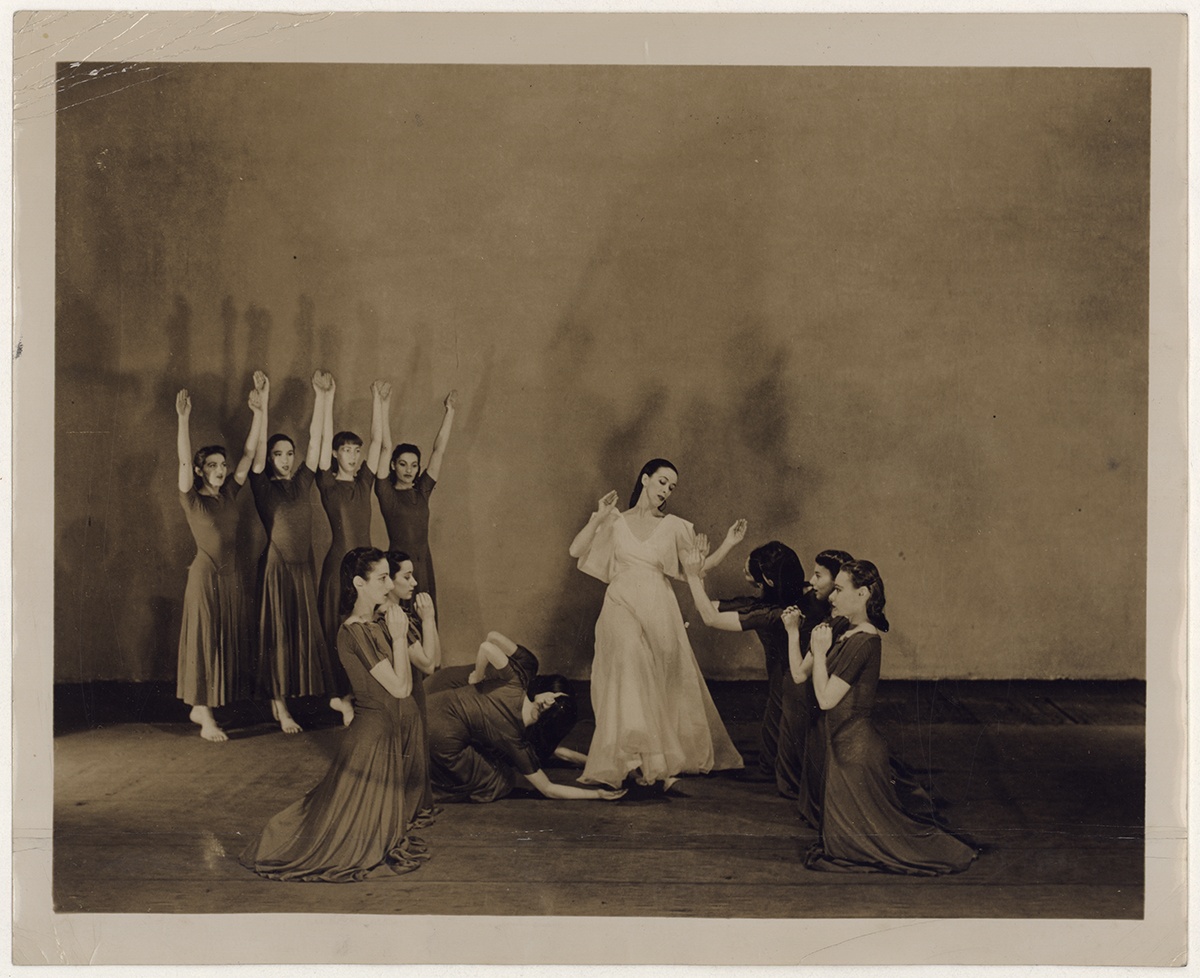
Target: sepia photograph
{"x": 599, "y": 488}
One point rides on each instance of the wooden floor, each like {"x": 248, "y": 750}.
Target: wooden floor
{"x": 1049, "y": 778}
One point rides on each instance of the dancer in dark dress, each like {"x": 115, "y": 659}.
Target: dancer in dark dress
{"x": 293, "y": 657}
{"x": 775, "y": 569}
{"x": 216, "y": 639}
{"x": 424, "y": 644}
{"x": 864, "y": 826}
{"x": 800, "y": 766}
{"x": 480, "y": 747}
{"x": 403, "y": 492}
{"x": 356, "y": 823}
{"x": 345, "y": 480}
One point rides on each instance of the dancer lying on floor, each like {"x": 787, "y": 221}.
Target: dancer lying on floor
{"x": 484, "y": 736}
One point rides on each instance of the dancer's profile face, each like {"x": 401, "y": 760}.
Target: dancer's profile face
{"x": 404, "y": 585}
{"x": 283, "y": 455}
{"x": 406, "y": 468}
{"x": 375, "y": 586}
{"x": 214, "y": 471}
{"x": 821, "y": 581}
{"x": 657, "y": 488}
{"x": 848, "y": 601}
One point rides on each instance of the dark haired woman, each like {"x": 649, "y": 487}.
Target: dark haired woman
{"x": 345, "y": 480}
{"x": 655, "y": 718}
{"x": 800, "y": 766}
{"x": 481, "y": 736}
{"x": 356, "y": 822}
{"x": 777, "y": 572}
{"x": 293, "y": 657}
{"x": 216, "y": 637}
{"x": 864, "y": 827}
{"x": 403, "y": 491}
{"x": 424, "y": 645}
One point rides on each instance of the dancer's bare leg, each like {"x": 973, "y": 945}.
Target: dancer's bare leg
{"x": 209, "y": 729}
{"x": 280, "y": 712}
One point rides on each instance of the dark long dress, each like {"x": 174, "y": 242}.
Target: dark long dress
{"x": 766, "y": 620}
{"x": 864, "y": 827}
{"x": 356, "y": 822}
{"x": 216, "y": 639}
{"x": 347, "y": 503}
{"x": 293, "y": 657}
{"x": 406, "y": 516}
{"x": 800, "y": 765}
{"x": 477, "y": 743}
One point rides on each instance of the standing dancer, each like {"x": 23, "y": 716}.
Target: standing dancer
{"x": 344, "y": 481}
{"x": 356, "y": 822}
{"x": 404, "y": 494}
{"x": 655, "y": 718}
{"x": 864, "y": 826}
{"x": 216, "y": 637}
{"x": 775, "y": 569}
{"x": 293, "y": 658}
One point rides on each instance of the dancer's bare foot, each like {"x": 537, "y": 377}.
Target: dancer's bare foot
{"x": 279, "y": 711}
{"x": 345, "y": 706}
{"x": 209, "y": 730}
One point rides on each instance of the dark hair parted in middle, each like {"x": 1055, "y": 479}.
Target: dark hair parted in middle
{"x": 649, "y": 469}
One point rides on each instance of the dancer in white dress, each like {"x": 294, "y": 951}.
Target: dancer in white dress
{"x": 655, "y": 718}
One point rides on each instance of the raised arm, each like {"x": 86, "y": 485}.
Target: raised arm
{"x": 381, "y": 393}
{"x": 251, "y": 446}
{"x": 583, "y": 539}
{"x": 733, "y": 537}
{"x": 183, "y": 440}
{"x": 427, "y": 654}
{"x": 693, "y": 566}
{"x": 799, "y": 665}
{"x": 325, "y": 451}
{"x": 320, "y": 387}
{"x": 260, "y": 449}
{"x": 384, "y": 463}
{"x": 443, "y": 437}
{"x": 828, "y": 689}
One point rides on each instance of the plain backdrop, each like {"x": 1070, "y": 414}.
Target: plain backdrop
{"x": 897, "y": 311}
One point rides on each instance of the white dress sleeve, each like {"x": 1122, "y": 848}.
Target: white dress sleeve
{"x": 599, "y": 560}
{"x": 683, "y": 537}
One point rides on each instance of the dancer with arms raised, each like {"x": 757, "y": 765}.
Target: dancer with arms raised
{"x": 654, "y": 716}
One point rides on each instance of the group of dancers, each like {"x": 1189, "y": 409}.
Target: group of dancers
{"x": 420, "y": 734}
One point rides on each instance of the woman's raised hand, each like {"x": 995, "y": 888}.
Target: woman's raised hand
{"x": 381, "y": 389}
{"x": 822, "y": 638}
{"x": 261, "y": 383}
{"x": 693, "y": 561}
{"x": 451, "y": 400}
{"x": 607, "y": 504}
{"x": 737, "y": 532}
{"x": 183, "y": 403}
{"x": 792, "y": 616}
{"x": 424, "y": 605}
{"x": 330, "y": 383}
{"x": 396, "y": 620}
{"x": 255, "y": 401}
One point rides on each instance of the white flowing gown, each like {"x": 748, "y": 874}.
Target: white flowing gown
{"x": 653, "y": 709}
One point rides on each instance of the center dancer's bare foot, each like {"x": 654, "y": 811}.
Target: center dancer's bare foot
{"x": 344, "y": 706}
{"x": 279, "y": 711}
{"x": 209, "y": 730}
